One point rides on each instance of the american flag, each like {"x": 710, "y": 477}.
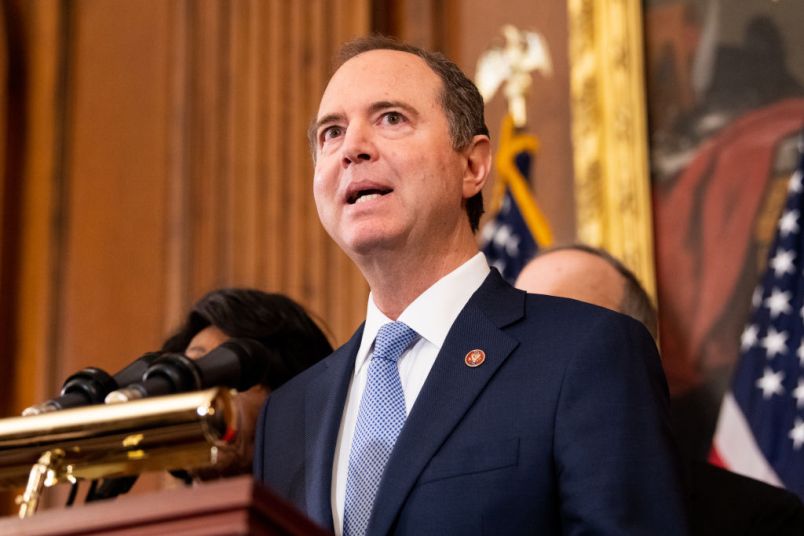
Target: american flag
{"x": 760, "y": 430}
{"x": 518, "y": 229}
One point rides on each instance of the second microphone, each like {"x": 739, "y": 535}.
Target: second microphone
{"x": 237, "y": 363}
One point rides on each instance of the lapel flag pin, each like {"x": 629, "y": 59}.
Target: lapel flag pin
{"x": 475, "y": 358}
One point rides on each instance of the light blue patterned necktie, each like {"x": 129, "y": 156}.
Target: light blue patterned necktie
{"x": 379, "y": 421}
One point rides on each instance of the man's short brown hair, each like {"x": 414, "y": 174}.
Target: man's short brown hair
{"x": 460, "y": 100}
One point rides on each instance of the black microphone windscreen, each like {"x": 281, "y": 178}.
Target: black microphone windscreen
{"x": 134, "y": 371}
{"x": 237, "y": 363}
{"x": 91, "y": 385}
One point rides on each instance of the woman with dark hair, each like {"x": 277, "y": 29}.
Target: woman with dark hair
{"x": 276, "y": 321}
{"x": 293, "y": 340}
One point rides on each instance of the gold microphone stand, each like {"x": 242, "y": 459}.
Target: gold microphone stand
{"x": 181, "y": 431}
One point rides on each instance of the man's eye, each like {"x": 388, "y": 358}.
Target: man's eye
{"x": 331, "y": 132}
{"x": 393, "y": 118}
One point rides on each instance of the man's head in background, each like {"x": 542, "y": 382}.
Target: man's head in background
{"x": 590, "y": 275}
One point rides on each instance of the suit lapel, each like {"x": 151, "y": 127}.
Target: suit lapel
{"x": 324, "y": 402}
{"x": 449, "y": 391}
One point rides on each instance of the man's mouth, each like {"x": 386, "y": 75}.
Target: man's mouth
{"x": 366, "y": 195}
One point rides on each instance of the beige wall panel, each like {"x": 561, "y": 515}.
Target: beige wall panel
{"x": 114, "y": 226}
{"x": 5, "y": 39}
{"x": 244, "y": 29}
{"x": 271, "y": 153}
{"x": 207, "y": 137}
{"x": 317, "y": 54}
{"x": 177, "y": 241}
{"x": 8, "y": 217}
{"x": 298, "y": 165}
{"x": 168, "y": 157}
{"x": 35, "y": 284}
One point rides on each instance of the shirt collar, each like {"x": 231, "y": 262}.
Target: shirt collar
{"x": 432, "y": 314}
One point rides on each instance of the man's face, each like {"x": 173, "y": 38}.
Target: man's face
{"x": 386, "y": 175}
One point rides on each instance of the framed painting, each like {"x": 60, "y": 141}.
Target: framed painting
{"x": 685, "y": 120}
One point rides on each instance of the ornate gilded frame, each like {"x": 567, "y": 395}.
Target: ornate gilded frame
{"x": 609, "y": 132}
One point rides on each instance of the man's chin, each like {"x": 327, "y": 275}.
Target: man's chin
{"x": 369, "y": 243}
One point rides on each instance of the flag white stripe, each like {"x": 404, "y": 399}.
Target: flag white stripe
{"x": 736, "y": 446}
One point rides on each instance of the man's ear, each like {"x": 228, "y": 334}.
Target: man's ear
{"x": 478, "y": 165}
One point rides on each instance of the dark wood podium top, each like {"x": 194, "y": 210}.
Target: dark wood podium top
{"x": 233, "y": 506}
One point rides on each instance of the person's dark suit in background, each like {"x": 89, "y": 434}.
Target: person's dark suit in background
{"x": 533, "y": 414}
{"x": 719, "y": 502}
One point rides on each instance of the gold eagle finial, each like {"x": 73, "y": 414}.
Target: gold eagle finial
{"x": 523, "y": 53}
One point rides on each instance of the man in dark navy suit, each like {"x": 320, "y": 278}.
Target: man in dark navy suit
{"x": 461, "y": 405}
{"x": 719, "y": 501}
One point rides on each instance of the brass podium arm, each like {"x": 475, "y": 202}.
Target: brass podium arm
{"x": 37, "y": 479}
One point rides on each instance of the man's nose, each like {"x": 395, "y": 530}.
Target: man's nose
{"x": 357, "y": 145}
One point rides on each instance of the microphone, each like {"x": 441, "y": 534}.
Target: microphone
{"x": 237, "y": 363}
{"x": 91, "y": 385}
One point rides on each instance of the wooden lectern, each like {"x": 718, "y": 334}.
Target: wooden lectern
{"x": 233, "y": 506}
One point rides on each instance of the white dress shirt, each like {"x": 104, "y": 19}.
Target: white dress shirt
{"x": 431, "y": 315}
